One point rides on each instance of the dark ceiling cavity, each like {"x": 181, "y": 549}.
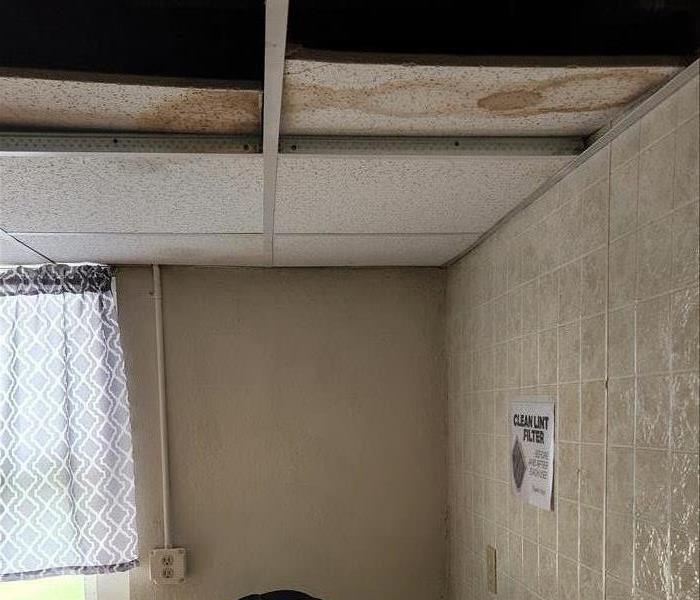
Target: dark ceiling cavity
{"x": 223, "y": 39}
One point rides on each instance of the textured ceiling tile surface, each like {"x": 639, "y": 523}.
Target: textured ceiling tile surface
{"x": 334, "y": 97}
{"x": 139, "y": 194}
{"x": 14, "y": 253}
{"x": 368, "y": 250}
{"x": 235, "y": 250}
{"x": 403, "y": 195}
{"x": 34, "y": 103}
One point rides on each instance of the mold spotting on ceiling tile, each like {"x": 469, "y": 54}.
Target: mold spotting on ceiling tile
{"x": 70, "y": 101}
{"x": 337, "y": 94}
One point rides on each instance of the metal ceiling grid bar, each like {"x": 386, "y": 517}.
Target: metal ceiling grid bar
{"x": 276, "y": 12}
{"x": 26, "y": 143}
{"x": 431, "y": 146}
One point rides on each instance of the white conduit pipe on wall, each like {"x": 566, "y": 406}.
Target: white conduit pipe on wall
{"x": 162, "y": 404}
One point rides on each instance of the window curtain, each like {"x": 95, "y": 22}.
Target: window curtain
{"x": 66, "y": 472}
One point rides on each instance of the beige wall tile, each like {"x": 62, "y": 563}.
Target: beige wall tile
{"x": 548, "y": 294}
{"x": 570, "y": 352}
{"x": 624, "y": 191}
{"x": 659, "y": 122}
{"x": 514, "y": 313}
{"x": 620, "y": 480}
{"x": 529, "y": 360}
{"x": 568, "y": 413}
{"x": 548, "y": 529}
{"x": 686, "y": 239}
{"x": 590, "y": 584}
{"x": 593, "y": 412}
{"x": 529, "y": 307}
{"x": 592, "y": 538}
{"x": 570, "y": 230}
{"x": 651, "y": 558}
{"x": 593, "y": 348}
{"x": 547, "y": 356}
{"x": 621, "y": 342}
{"x": 654, "y": 255}
{"x": 619, "y": 548}
{"x": 684, "y": 492}
{"x": 684, "y": 564}
{"x": 653, "y": 336}
{"x": 594, "y": 221}
{"x": 567, "y": 527}
{"x": 547, "y": 583}
{"x": 688, "y": 99}
{"x": 621, "y": 408}
{"x": 514, "y": 358}
{"x": 568, "y": 579}
{"x": 653, "y": 411}
{"x": 685, "y": 401}
{"x": 592, "y": 474}
{"x": 594, "y": 272}
{"x": 656, "y": 169}
{"x": 623, "y": 271}
{"x": 685, "y": 329}
{"x": 616, "y": 590}
{"x": 625, "y": 146}
{"x": 686, "y": 187}
{"x": 651, "y": 485}
{"x": 568, "y": 474}
{"x": 570, "y": 292}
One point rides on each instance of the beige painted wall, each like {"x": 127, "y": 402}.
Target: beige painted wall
{"x": 595, "y": 282}
{"x": 306, "y": 414}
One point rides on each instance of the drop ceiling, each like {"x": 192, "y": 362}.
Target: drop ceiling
{"x": 384, "y": 159}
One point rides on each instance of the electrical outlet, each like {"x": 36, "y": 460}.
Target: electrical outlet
{"x": 167, "y": 565}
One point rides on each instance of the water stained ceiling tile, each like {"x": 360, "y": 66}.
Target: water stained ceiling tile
{"x": 337, "y": 94}
{"x": 127, "y": 105}
{"x": 368, "y": 250}
{"x": 174, "y": 249}
{"x": 317, "y": 194}
{"x": 132, "y": 194}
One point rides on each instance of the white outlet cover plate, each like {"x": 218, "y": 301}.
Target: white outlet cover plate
{"x": 167, "y": 565}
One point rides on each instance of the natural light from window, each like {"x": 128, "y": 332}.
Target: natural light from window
{"x": 71, "y": 587}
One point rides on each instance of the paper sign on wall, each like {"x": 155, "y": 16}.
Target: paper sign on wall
{"x": 532, "y": 452}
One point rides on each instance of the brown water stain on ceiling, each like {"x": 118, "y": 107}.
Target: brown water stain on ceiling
{"x": 323, "y": 96}
{"x": 71, "y": 102}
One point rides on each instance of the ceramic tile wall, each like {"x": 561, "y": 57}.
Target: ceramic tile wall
{"x": 589, "y": 296}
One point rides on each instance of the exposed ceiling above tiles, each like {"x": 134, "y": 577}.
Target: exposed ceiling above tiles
{"x": 127, "y": 104}
{"x": 340, "y": 94}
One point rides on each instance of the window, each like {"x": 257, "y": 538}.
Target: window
{"x": 66, "y": 473}
{"x": 112, "y": 586}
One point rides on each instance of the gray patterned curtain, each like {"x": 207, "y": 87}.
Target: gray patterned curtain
{"x": 66, "y": 470}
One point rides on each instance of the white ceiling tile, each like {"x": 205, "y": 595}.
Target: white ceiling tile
{"x": 328, "y": 93}
{"x": 368, "y": 250}
{"x": 14, "y": 253}
{"x": 317, "y": 194}
{"x": 132, "y": 194}
{"x": 216, "y": 249}
{"x": 120, "y": 103}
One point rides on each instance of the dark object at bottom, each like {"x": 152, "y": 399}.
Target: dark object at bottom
{"x": 280, "y": 595}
